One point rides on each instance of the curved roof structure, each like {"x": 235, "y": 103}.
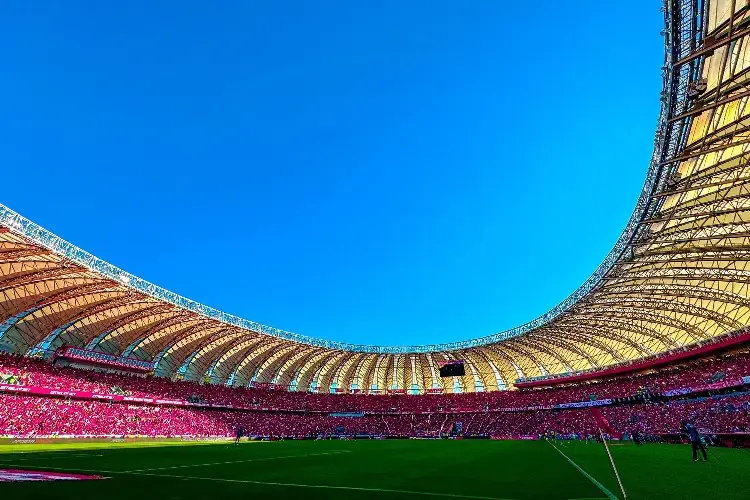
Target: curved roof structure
{"x": 678, "y": 275}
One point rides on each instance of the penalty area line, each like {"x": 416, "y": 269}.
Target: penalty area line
{"x": 239, "y": 461}
{"x": 272, "y": 483}
{"x": 329, "y": 487}
{"x": 588, "y": 476}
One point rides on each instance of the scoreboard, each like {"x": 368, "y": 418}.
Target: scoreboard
{"x": 452, "y": 369}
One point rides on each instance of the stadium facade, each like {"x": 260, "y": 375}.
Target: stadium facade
{"x": 678, "y": 276}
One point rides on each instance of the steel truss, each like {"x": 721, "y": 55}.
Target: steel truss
{"x": 678, "y": 275}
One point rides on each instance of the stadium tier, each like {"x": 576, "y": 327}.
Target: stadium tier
{"x": 40, "y": 399}
{"x": 676, "y": 278}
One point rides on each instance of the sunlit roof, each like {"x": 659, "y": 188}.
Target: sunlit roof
{"x": 677, "y": 276}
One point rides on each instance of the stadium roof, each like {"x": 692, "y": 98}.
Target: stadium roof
{"x": 678, "y": 275}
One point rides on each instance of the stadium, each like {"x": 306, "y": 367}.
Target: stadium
{"x": 112, "y": 385}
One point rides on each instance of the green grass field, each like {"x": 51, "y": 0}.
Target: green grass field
{"x": 377, "y": 470}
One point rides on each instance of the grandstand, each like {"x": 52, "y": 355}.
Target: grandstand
{"x": 660, "y": 333}
{"x": 45, "y": 400}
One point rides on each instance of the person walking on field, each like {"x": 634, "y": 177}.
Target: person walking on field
{"x": 695, "y": 440}
{"x": 239, "y": 432}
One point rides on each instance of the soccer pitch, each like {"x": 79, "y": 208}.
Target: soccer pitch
{"x": 377, "y": 470}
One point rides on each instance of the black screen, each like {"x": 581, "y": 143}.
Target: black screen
{"x": 453, "y": 369}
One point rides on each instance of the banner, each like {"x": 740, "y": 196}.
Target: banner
{"x": 585, "y": 404}
{"x": 715, "y": 386}
{"x": 722, "y": 384}
{"x": 678, "y": 392}
{"x": 266, "y": 385}
{"x": 101, "y": 358}
{"x": 526, "y": 408}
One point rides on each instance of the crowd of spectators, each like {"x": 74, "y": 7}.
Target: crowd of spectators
{"x": 403, "y": 415}
{"x": 40, "y": 373}
{"x": 23, "y": 415}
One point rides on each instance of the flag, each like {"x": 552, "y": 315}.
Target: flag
{"x": 604, "y": 425}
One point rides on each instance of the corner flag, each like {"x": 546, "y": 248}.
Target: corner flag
{"x": 604, "y": 425}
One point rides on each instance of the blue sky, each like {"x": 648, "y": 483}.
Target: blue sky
{"x": 374, "y": 172}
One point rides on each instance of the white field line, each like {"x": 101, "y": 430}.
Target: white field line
{"x": 327, "y": 487}
{"x": 145, "y": 472}
{"x": 240, "y": 461}
{"x": 58, "y": 457}
{"x": 588, "y": 476}
{"x": 288, "y": 485}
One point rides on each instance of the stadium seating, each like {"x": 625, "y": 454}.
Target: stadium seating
{"x": 395, "y": 415}
{"x": 22, "y": 415}
{"x": 40, "y": 373}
